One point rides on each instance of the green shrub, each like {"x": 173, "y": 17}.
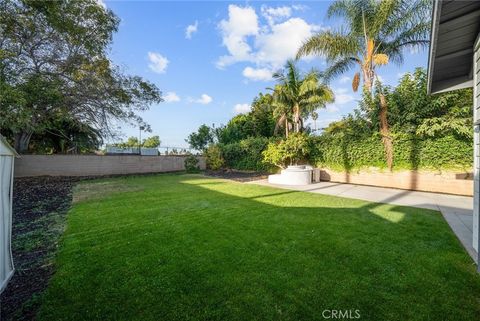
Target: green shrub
{"x": 191, "y": 164}
{"x": 246, "y": 154}
{"x": 291, "y": 151}
{"x": 411, "y": 152}
{"x": 215, "y": 160}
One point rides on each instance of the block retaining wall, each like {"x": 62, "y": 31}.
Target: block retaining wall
{"x": 94, "y": 165}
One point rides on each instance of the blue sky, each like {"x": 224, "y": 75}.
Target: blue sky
{"x": 210, "y": 59}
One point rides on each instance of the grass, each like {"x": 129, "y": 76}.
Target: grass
{"x": 186, "y": 247}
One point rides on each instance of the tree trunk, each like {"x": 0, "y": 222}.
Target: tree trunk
{"x": 385, "y": 132}
{"x": 367, "y": 79}
{"x": 286, "y": 127}
{"x": 296, "y": 116}
{"x": 22, "y": 140}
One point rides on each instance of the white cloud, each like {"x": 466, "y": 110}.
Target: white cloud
{"x": 242, "y": 22}
{"x": 158, "y": 63}
{"x": 171, "y": 97}
{"x": 204, "y": 99}
{"x": 282, "y": 42}
{"x": 241, "y": 108}
{"x": 332, "y": 108}
{"x": 191, "y": 29}
{"x": 342, "y": 98}
{"x": 266, "y": 46}
{"x": 324, "y": 122}
{"x": 257, "y": 74}
{"x": 344, "y": 79}
{"x": 275, "y": 14}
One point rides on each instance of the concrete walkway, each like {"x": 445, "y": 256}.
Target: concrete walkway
{"x": 457, "y": 210}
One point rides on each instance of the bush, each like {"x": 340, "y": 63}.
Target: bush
{"x": 191, "y": 164}
{"x": 291, "y": 151}
{"x": 215, "y": 160}
{"x": 411, "y": 152}
{"x": 246, "y": 154}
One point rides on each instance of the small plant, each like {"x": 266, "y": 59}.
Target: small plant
{"x": 214, "y": 156}
{"x": 287, "y": 152}
{"x": 191, "y": 164}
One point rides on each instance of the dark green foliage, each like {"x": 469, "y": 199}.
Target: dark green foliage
{"x": 428, "y": 132}
{"x": 289, "y": 151}
{"x": 201, "y": 139}
{"x": 259, "y": 122}
{"x": 347, "y": 152}
{"x": 246, "y": 154}
{"x": 54, "y": 64}
{"x": 411, "y": 110}
{"x": 65, "y": 136}
{"x": 191, "y": 164}
{"x": 214, "y": 157}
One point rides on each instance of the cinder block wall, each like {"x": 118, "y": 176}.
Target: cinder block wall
{"x": 445, "y": 182}
{"x": 93, "y": 165}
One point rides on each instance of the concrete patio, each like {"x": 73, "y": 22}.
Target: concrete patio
{"x": 457, "y": 210}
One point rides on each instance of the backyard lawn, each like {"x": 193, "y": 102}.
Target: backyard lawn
{"x": 188, "y": 247}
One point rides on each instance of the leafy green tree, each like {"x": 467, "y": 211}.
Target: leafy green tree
{"x": 373, "y": 33}
{"x": 151, "y": 142}
{"x": 262, "y": 115}
{"x": 131, "y": 141}
{"x": 259, "y": 122}
{"x": 53, "y": 60}
{"x": 298, "y": 95}
{"x": 214, "y": 156}
{"x": 289, "y": 151}
{"x": 66, "y": 136}
{"x": 412, "y": 110}
{"x": 201, "y": 139}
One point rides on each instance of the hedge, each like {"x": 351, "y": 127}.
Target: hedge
{"x": 246, "y": 154}
{"x": 343, "y": 152}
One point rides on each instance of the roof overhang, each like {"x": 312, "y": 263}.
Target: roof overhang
{"x": 455, "y": 27}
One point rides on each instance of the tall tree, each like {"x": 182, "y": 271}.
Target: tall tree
{"x": 53, "y": 60}
{"x": 374, "y": 33}
{"x": 201, "y": 139}
{"x": 297, "y": 95}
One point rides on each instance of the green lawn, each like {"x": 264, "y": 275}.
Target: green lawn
{"x": 186, "y": 247}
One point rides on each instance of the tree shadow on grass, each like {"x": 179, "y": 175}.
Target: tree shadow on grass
{"x": 213, "y": 254}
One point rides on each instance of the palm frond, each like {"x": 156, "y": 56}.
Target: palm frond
{"x": 339, "y": 67}
{"x": 331, "y": 45}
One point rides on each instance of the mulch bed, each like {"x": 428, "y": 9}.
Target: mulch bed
{"x": 236, "y": 175}
{"x": 40, "y": 205}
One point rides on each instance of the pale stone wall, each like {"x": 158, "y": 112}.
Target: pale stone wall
{"x": 93, "y": 165}
{"x": 445, "y": 182}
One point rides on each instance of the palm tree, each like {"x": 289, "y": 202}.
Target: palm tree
{"x": 297, "y": 95}
{"x": 377, "y": 32}
{"x": 314, "y": 117}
